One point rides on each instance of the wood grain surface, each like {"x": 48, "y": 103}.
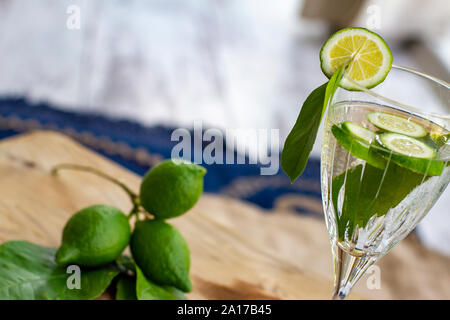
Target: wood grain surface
{"x": 239, "y": 251}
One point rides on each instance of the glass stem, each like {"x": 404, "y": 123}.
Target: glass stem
{"x": 348, "y": 269}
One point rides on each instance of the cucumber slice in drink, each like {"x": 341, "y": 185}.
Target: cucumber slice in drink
{"x": 397, "y": 124}
{"x": 359, "y": 132}
{"x": 410, "y": 153}
{"x": 407, "y": 146}
{"x": 355, "y": 141}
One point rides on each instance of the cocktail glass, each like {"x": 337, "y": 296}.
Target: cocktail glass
{"x": 368, "y": 210}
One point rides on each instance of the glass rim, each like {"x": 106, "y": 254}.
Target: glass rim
{"x": 400, "y": 105}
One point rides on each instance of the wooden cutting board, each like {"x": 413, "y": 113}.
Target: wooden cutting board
{"x": 238, "y": 250}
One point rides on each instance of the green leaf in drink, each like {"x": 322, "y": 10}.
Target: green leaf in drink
{"x": 369, "y": 191}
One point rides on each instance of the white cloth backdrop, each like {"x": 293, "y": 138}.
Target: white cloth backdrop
{"x": 233, "y": 64}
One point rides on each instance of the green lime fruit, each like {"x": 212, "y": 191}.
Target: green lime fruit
{"x": 94, "y": 236}
{"x": 366, "y": 54}
{"x": 171, "y": 188}
{"x": 162, "y": 254}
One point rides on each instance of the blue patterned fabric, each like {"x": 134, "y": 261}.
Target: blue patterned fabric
{"x": 137, "y": 148}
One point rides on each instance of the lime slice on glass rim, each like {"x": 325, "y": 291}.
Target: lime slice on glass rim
{"x": 368, "y": 57}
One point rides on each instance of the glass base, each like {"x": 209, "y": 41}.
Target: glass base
{"x": 348, "y": 269}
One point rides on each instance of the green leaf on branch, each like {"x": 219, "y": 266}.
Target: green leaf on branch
{"x": 29, "y": 271}
{"x": 148, "y": 290}
{"x": 301, "y": 139}
{"x": 126, "y": 263}
{"x": 126, "y": 288}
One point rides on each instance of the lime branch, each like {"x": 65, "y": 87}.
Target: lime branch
{"x": 133, "y": 196}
